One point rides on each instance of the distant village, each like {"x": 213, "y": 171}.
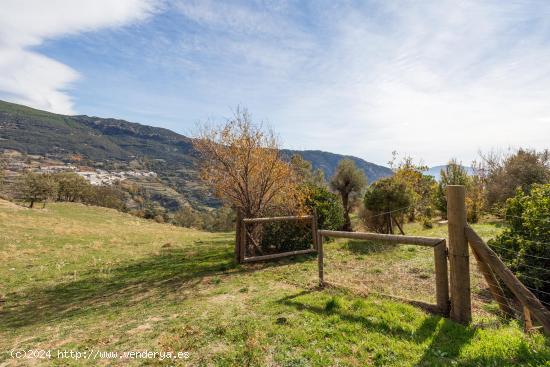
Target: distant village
{"x": 17, "y": 163}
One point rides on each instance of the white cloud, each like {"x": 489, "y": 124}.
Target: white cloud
{"x": 432, "y": 79}
{"x": 436, "y": 79}
{"x": 33, "y": 79}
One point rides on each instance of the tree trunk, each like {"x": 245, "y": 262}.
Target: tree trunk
{"x": 31, "y": 204}
{"x": 347, "y": 221}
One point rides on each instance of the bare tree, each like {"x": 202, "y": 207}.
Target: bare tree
{"x": 504, "y": 173}
{"x": 242, "y": 163}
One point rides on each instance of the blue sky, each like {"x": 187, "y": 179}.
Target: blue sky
{"x": 433, "y": 79}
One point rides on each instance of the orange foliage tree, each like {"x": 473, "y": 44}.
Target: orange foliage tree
{"x": 242, "y": 163}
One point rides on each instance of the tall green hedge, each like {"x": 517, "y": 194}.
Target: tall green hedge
{"x": 525, "y": 245}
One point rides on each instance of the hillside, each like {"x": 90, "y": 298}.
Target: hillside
{"x": 112, "y": 282}
{"x": 113, "y": 144}
{"x": 329, "y": 161}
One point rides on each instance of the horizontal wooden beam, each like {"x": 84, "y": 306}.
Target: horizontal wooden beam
{"x": 278, "y": 219}
{"x": 524, "y": 295}
{"x": 410, "y": 240}
{"x": 277, "y": 256}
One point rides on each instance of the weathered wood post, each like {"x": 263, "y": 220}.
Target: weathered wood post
{"x": 459, "y": 260}
{"x": 314, "y": 233}
{"x": 441, "y": 278}
{"x": 527, "y": 322}
{"x": 238, "y": 221}
{"x": 320, "y": 261}
{"x": 243, "y": 241}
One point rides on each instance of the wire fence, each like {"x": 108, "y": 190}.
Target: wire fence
{"x": 515, "y": 252}
{"x": 512, "y": 303}
{"x": 389, "y": 212}
{"x": 537, "y": 279}
{"x": 544, "y": 220}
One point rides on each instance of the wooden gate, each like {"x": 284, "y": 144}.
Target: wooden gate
{"x": 243, "y": 236}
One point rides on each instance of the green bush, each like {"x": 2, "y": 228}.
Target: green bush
{"x": 383, "y": 196}
{"x": 215, "y": 220}
{"x": 107, "y": 196}
{"x": 72, "y": 187}
{"x": 219, "y": 220}
{"x": 292, "y": 236}
{"x": 286, "y": 236}
{"x": 187, "y": 217}
{"x": 330, "y": 212}
{"x": 525, "y": 245}
{"x": 37, "y": 187}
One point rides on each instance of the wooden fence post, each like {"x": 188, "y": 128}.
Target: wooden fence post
{"x": 527, "y": 322}
{"x": 320, "y": 261}
{"x": 441, "y": 278}
{"x": 239, "y": 219}
{"x": 243, "y": 241}
{"x": 459, "y": 260}
{"x": 314, "y": 230}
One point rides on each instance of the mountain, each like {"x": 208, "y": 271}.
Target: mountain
{"x": 113, "y": 144}
{"x": 328, "y": 161}
{"x": 436, "y": 171}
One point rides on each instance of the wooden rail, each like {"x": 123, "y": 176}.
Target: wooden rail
{"x": 278, "y": 219}
{"x": 496, "y": 291}
{"x": 522, "y": 293}
{"x": 411, "y": 240}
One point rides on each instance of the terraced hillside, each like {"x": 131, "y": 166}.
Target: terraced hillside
{"x": 113, "y": 144}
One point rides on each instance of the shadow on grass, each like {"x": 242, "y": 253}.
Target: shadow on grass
{"x": 443, "y": 340}
{"x": 447, "y": 341}
{"x": 375, "y": 324}
{"x": 174, "y": 271}
{"x": 447, "y": 337}
{"x": 367, "y": 247}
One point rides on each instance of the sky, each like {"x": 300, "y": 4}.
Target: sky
{"x": 432, "y": 79}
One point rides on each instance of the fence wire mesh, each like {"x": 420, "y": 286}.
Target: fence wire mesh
{"x": 405, "y": 271}
{"x": 278, "y": 237}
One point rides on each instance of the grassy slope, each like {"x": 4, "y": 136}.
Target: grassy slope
{"x": 78, "y": 278}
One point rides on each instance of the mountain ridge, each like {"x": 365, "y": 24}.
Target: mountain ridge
{"x": 111, "y": 144}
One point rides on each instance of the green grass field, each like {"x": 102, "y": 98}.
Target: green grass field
{"x": 91, "y": 279}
